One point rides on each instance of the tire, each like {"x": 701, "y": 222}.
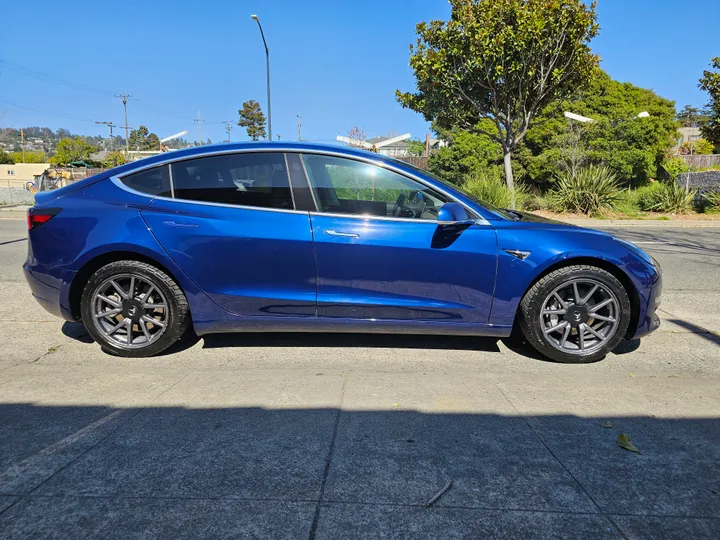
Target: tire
{"x": 556, "y": 324}
{"x": 156, "y": 313}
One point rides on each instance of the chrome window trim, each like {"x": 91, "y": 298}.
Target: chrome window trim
{"x": 285, "y": 149}
{"x": 368, "y": 217}
{"x": 116, "y": 180}
{"x": 172, "y": 186}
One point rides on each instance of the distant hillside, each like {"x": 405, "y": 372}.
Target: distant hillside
{"x": 44, "y": 139}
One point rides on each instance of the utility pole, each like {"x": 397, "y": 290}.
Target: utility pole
{"x": 299, "y": 126}
{"x": 228, "y": 128}
{"x": 111, "y": 126}
{"x": 22, "y": 139}
{"x": 199, "y": 127}
{"x": 125, "y": 97}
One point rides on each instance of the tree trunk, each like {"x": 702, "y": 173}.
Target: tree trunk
{"x": 509, "y": 177}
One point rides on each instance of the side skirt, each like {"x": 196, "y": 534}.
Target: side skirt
{"x": 360, "y": 326}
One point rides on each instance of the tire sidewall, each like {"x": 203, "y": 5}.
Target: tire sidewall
{"x": 531, "y": 315}
{"x": 174, "y": 329}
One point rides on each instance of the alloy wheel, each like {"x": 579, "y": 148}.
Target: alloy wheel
{"x": 130, "y": 311}
{"x": 580, "y": 316}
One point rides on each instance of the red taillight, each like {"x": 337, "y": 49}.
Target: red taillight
{"x": 38, "y": 216}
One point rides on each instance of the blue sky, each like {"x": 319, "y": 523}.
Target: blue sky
{"x": 337, "y": 64}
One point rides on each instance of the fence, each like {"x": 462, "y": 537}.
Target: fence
{"x": 702, "y": 161}
{"x": 421, "y": 162}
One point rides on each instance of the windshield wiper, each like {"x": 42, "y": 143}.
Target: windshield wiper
{"x": 517, "y": 216}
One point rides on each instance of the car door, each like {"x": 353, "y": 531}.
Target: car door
{"x": 231, "y": 225}
{"x": 381, "y": 254}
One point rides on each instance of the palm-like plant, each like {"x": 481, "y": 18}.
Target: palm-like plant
{"x": 588, "y": 191}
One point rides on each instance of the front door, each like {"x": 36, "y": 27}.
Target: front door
{"x": 381, "y": 254}
{"x": 232, "y": 228}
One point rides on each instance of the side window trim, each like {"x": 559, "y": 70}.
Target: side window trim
{"x": 172, "y": 186}
{"x": 320, "y": 212}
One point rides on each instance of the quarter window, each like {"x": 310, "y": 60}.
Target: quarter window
{"x": 245, "y": 179}
{"x": 155, "y": 181}
{"x": 346, "y": 186}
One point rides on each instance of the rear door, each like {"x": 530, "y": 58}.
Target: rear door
{"x": 381, "y": 254}
{"x": 231, "y": 225}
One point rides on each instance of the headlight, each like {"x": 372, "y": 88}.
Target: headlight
{"x": 636, "y": 250}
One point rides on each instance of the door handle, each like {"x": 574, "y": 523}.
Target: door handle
{"x": 181, "y": 225}
{"x": 330, "y": 232}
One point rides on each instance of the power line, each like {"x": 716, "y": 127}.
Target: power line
{"x": 21, "y": 106}
{"x": 17, "y": 68}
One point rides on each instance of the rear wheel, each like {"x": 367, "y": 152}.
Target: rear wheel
{"x": 576, "y": 314}
{"x": 134, "y": 309}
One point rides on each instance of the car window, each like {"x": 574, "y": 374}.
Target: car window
{"x": 346, "y": 186}
{"x": 155, "y": 181}
{"x": 246, "y": 179}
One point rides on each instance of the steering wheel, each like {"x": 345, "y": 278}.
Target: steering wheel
{"x": 399, "y": 206}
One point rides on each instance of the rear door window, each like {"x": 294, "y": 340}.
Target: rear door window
{"x": 244, "y": 179}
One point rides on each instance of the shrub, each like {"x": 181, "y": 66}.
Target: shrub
{"x": 490, "y": 187}
{"x": 675, "y": 166}
{"x": 666, "y": 197}
{"x": 628, "y": 203}
{"x": 590, "y": 190}
{"x": 711, "y": 199}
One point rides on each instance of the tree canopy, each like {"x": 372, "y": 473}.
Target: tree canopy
{"x": 114, "y": 159}
{"x": 253, "y": 119}
{"x": 72, "y": 149}
{"x": 31, "y": 156}
{"x": 142, "y": 139}
{"x": 690, "y": 116}
{"x": 710, "y": 83}
{"x": 5, "y": 158}
{"x": 502, "y": 61}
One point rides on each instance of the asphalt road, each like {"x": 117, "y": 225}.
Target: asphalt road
{"x": 342, "y": 436}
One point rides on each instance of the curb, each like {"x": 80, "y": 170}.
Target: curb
{"x": 659, "y": 223}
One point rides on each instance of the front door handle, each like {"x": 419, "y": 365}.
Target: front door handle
{"x": 330, "y": 232}
{"x": 181, "y": 225}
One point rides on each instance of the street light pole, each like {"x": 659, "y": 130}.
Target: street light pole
{"x": 267, "y": 67}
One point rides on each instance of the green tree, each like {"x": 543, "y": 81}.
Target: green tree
{"x": 691, "y": 116}
{"x": 69, "y": 149}
{"x": 710, "y": 83}
{"x": 30, "y": 157}
{"x": 5, "y": 158}
{"x": 632, "y": 147}
{"x": 466, "y": 154}
{"x": 502, "y": 60}
{"x": 416, "y": 147}
{"x": 253, "y": 119}
{"x": 114, "y": 159}
{"x": 142, "y": 139}
{"x": 696, "y": 147}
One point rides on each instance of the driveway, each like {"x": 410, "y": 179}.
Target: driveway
{"x": 348, "y": 436}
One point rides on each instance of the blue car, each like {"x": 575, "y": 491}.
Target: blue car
{"x": 293, "y": 237}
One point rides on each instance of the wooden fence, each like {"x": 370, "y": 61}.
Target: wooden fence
{"x": 702, "y": 161}
{"x": 421, "y": 162}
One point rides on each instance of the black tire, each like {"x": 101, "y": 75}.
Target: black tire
{"x": 533, "y": 303}
{"x": 176, "y": 315}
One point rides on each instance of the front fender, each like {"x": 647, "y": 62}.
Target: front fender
{"x": 551, "y": 247}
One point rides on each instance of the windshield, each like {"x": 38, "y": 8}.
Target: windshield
{"x": 449, "y": 185}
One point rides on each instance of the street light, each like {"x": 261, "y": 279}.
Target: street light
{"x": 267, "y": 64}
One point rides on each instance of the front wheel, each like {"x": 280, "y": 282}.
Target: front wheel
{"x": 133, "y": 309}
{"x": 576, "y": 314}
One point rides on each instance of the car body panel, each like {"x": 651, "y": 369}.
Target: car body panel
{"x": 239, "y": 256}
{"x": 407, "y": 270}
{"x": 255, "y": 269}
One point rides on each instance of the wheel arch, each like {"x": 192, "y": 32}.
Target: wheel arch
{"x": 94, "y": 264}
{"x": 603, "y": 264}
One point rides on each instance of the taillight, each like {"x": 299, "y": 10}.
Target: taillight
{"x": 39, "y": 216}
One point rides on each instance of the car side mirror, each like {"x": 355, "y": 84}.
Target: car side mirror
{"x": 453, "y": 213}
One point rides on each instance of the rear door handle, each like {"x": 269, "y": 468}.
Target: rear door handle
{"x": 330, "y": 232}
{"x": 181, "y": 225}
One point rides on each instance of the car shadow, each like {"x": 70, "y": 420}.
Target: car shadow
{"x": 515, "y": 343}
